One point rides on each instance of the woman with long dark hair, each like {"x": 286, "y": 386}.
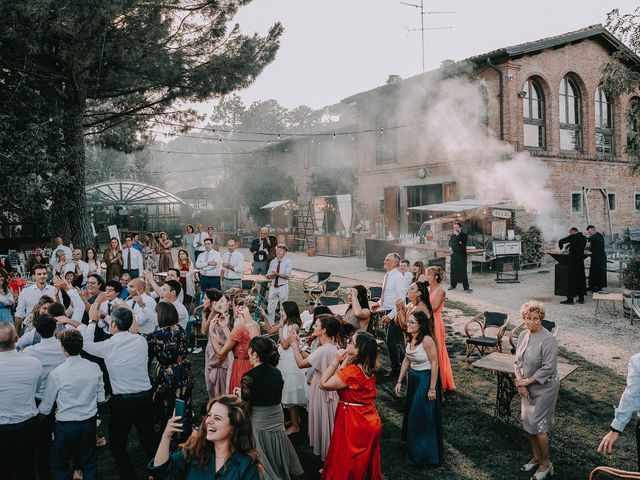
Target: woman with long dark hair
{"x": 322, "y": 403}
{"x": 422, "y": 423}
{"x": 418, "y": 296}
{"x": 171, "y": 378}
{"x": 261, "y": 387}
{"x": 165, "y": 261}
{"x": 91, "y": 257}
{"x": 419, "y": 272}
{"x": 149, "y": 247}
{"x": 223, "y": 447}
{"x": 354, "y": 453}
{"x": 6, "y": 298}
{"x": 358, "y": 313}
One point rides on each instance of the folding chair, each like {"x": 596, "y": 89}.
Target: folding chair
{"x": 313, "y": 286}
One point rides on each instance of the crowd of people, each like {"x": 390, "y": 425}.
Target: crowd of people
{"x": 88, "y": 332}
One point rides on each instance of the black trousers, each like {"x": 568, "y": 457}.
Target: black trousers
{"x": 17, "y": 450}
{"x": 459, "y": 271}
{"x": 127, "y": 411}
{"x": 77, "y": 441}
{"x": 43, "y": 445}
{"x": 395, "y": 346}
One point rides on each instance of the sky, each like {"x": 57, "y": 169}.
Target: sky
{"x": 332, "y": 49}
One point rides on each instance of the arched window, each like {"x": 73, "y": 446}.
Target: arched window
{"x": 604, "y": 122}
{"x": 570, "y": 121}
{"x": 633, "y": 127}
{"x": 533, "y": 114}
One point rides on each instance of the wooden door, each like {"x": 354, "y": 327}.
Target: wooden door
{"x": 392, "y": 210}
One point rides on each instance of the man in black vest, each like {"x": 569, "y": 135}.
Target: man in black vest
{"x": 263, "y": 252}
{"x": 576, "y": 281}
{"x": 598, "y": 266}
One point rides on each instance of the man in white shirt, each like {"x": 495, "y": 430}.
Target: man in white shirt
{"x": 392, "y": 289}
{"x": 81, "y": 267}
{"x": 171, "y": 291}
{"x": 629, "y": 404}
{"x": 132, "y": 262}
{"x": 280, "y": 270}
{"x": 76, "y": 387}
{"x": 126, "y": 357}
{"x": 104, "y": 304}
{"x": 198, "y": 240}
{"x": 232, "y": 266}
{"x": 407, "y": 276}
{"x": 143, "y": 306}
{"x": 49, "y": 352}
{"x": 59, "y": 246}
{"x": 156, "y": 290}
{"x": 29, "y": 296}
{"x": 18, "y": 412}
{"x": 209, "y": 265}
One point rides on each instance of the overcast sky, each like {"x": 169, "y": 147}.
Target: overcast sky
{"x": 334, "y": 48}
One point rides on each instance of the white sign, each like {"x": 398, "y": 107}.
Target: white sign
{"x": 113, "y": 232}
{"x": 501, "y": 213}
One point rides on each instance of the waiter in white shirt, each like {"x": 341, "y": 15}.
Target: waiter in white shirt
{"x": 143, "y": 306}
{"x": 31, "y": 295}
{"x": 18, "y": 412}
{"x": 629, "y": 404}
{"x": 49, "y": 353}
{"x": 126, "y": 357}
{"x": 171, "y": 291}
{"x": 279, "y": 272}
{"x": 209, "y": 264}
{"x": 76, "y": 387}
{"x": 393, "y": 287}
{"x": 132, "y": 261}
{"x": 198, "y": 240}
{"x": 232, "y": 266}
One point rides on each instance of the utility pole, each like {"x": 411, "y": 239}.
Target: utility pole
{"x": 422, "y": 29}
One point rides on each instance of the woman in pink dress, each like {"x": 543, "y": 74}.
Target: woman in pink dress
{"x": 437, "y": 295}
{"x": 322, "y": 403}
{"x": 237, "y": 340}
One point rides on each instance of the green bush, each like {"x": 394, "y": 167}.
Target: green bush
{"x": 631, "y": 274}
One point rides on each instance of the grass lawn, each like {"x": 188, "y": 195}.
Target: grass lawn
{"x": 477, "y": 445}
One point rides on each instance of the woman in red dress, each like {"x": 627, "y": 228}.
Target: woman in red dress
{"x": 437, "y": 295}
{"x": 354, "y": 452}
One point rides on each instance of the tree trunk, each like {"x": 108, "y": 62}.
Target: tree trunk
{"x": 70, "y": 219}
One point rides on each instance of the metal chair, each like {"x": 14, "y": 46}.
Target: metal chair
{"x": 515, "y": 333}
{"x": 483, "y": 342}
{"x": 375, "y": 293}
{"x": 324, "y": 300}
{"x": 331, "y": 288}
{"x": 313, "y": 286}
{"x": 195, "y": 323}
{"x": 614, "y": 472}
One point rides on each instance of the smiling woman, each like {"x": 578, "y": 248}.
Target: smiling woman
{"x": 223, "y": 447}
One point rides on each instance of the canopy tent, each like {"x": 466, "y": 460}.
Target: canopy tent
{"x": 278, "y": 203}
{"x": 459, "y": 206}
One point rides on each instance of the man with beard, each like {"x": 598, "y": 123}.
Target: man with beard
{"x": 576, "y": 281}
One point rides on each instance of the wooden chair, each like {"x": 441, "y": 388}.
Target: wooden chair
{"x": 614, "y": 472}
{"x": 313, "y": 286}
{"x": 515, "y": 333}
{"x": 484, "y": 342}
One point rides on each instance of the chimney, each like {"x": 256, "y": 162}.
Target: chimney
{"x": 393, "y": 79}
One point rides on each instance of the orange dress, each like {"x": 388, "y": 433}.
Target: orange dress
{"x": 354, "y": 452}
{"x": 241, "y": 364}
{"x": 446, "y": 375}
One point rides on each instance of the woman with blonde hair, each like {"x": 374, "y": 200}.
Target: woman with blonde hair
{"x": 538, "y": 384}
{"x": 113, "y": 259}
{"x": 223, "y": 447}
{"x": 437, "y": 297}
{"x": 165, "y": 261}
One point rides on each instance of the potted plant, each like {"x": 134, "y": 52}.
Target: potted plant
{"x": 631, "y": 283}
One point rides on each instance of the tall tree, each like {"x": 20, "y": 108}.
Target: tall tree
{"x": 122, "y": 64}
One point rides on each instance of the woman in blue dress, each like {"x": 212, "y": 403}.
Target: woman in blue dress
{"x": 422, "y": 423}
{"x": 222, "y": 449}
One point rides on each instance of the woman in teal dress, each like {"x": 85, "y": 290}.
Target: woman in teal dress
{"x": 222, "y": 449}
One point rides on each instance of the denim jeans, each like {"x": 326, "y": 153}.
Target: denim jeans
{"x": 77, "y": 441}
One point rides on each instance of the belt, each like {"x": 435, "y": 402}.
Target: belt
{"x": 241, "y": 357}
{"x": 355, "y": 404}
{"x": 281, "y": 285}
{"x": 17, "y": 426}
{"x": 124, "y": 396}
{"x": 72, "y": 422}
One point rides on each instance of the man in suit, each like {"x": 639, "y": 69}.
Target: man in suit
{"x": 598, "y": 266}
{"x": 576, "y": 282}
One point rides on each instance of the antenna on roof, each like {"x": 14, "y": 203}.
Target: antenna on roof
{"x": 422, "y": 29}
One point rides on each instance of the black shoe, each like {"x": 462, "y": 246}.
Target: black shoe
{"x": 451, "y": 288}
{"x": 468, "y": 290}
{"x": 567, "y": 302}
{"x": 581, "y": 300}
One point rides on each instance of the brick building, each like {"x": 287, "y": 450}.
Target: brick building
{"x": 543, "y": 97}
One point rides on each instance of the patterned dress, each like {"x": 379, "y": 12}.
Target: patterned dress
{"x": 171, "y": 377}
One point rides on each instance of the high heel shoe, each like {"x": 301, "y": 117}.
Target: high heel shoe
{"x": 542, "y": 475}
{"x": 527, "y": 467}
